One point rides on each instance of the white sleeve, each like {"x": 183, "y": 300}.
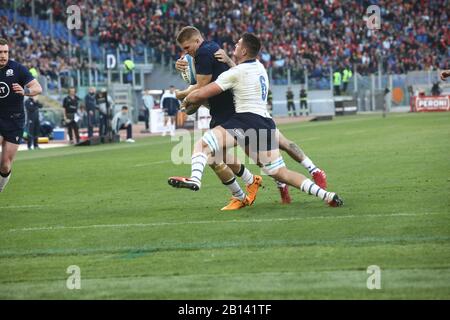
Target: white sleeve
{"x": 228, "y": 79}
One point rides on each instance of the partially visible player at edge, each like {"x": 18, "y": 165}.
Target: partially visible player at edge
{"x": 191, "y": 42}
{"x": 249, "y": 82}
{"x": 444, "y": 74}
{"x": 15, "y": 83}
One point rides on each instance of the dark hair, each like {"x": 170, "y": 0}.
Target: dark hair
{"x": 251, "y": 43}
{"x": 186, "y": 33}
{"x": 124, "y": 108}
{"x": 3, "y": 42}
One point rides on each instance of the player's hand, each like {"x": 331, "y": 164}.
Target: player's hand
{"x": 17, "y": 88}
{"x": 180, "y": 95}
{"x": 189, "y": 107}
{"x": 221, "y": 56}
{"x": 181, "y": 64}
{"x": 184, "y": 104}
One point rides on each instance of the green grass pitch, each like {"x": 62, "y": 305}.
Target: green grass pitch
{"x": 109, "y": 210}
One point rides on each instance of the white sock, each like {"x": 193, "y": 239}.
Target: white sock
{"x": 280, "y": 184}
{"x": 246, "y": 175}
{"x": 4, "y": 181}
{"x": 311, "y": 188}
{"x": 309, "y": 165}
{"x": 198, "y": 165}
{"x": 235, "y": 189}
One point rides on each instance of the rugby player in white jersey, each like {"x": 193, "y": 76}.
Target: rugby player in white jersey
{"x": 251, "y": 126}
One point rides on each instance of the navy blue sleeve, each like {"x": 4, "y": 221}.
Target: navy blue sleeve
{"x": 204, "y": 62}
{"x": 25, "y": 76}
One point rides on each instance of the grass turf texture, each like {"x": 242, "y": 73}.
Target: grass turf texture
{"x": 109, "y": 210}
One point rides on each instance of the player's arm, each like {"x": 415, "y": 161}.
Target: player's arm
{"x": 202, "y": 80}
{"x": 208, "y": 91}
{"x": 32, "y": 88}
{"x": 226, "y": 80}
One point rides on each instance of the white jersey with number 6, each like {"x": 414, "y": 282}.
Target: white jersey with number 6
{"x": 250, "y": 84}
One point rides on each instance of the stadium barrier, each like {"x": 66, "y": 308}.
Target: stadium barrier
{"x": 430, "y": 104}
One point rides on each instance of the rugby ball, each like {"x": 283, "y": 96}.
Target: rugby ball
{"x": 188, "y": 74}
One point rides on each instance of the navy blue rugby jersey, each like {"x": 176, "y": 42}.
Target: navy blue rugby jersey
{"x": 222, "y": 105}
{"x": 12, "y": 72}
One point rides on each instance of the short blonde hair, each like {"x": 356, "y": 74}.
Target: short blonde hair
{"x": 187, "y": 33}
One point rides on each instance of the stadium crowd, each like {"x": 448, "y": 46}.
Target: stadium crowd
{"x": 296, "y": 34}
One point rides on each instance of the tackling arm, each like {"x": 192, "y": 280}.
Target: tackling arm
{"x": 203, "y": 93}
{"x": 202, "y": 80}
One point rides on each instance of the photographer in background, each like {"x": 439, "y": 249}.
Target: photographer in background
{"x": 71, "y": 103}
{"x": 122, "y": 121}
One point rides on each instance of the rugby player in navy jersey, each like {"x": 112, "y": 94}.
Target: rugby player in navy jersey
{"x": 208, "y": 68}
{"x": 15, "y": 83}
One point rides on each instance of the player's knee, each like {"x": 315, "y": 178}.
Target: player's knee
{"x": 210, "y": 141}
{"x": 275, "y": 167}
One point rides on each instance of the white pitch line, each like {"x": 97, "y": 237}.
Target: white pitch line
{"x": 159, "y": 224}
{"x": 24, "y": 206}
{"x": 151, "y": 163}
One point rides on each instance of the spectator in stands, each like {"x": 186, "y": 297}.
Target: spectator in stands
{"x": 301, "y": 35}
{"x": 71, "y": 103}
{"x": 122, "y": 121}
{"x": 90, "y": 102}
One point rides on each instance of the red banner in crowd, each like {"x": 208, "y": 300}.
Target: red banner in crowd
{"x": 424, "y": 104}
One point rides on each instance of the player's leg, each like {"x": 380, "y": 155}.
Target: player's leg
{"x": 296, "y": 153}
{"x": 9, "y": 151}
{"x": 273, "y": 164}
{"x": 228, "y": 179}
{"x": 212, "y": 143}
{"x": 252, "y": 182}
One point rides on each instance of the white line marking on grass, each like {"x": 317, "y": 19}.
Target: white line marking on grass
{"x": 24, "y": 206}
{"x": 151, "y": 163}
{"x": 162, "y": 224}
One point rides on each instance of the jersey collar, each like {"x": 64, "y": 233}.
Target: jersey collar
{"x": 249, "y": 61}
